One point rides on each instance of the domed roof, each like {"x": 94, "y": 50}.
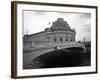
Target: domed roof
{"x": 60, "y": 24}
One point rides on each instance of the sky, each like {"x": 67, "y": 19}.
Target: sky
{"x": 37, "y": 21}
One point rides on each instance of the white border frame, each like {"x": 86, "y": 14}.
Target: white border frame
{"x": 35, "y": 72}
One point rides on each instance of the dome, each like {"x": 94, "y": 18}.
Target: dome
{"x": 61, "y": 24}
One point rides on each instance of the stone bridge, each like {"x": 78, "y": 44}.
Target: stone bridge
{"x": 28, "y": 55}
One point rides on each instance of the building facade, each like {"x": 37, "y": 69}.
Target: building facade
{"x": 59, "y": 34}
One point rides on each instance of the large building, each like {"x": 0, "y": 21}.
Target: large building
{"x": 58, "y": 35}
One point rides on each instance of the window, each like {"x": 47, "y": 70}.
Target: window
{"x": 66, "y": 39}
{"x": 55, "y": 39}
{"x": 61, "y": 39}
{"x": 48, "y": 37}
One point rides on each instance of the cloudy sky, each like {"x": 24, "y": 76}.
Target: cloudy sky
{"x": 36, "y": 21}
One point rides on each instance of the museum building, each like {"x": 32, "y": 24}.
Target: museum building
{"x": 59, "y": 34}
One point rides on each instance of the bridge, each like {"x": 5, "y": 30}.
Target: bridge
{"x": 31, "y": 54}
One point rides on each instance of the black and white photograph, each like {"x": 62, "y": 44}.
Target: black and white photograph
{"x": 56, "y": 39}
{"x": 53, "y": 39}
